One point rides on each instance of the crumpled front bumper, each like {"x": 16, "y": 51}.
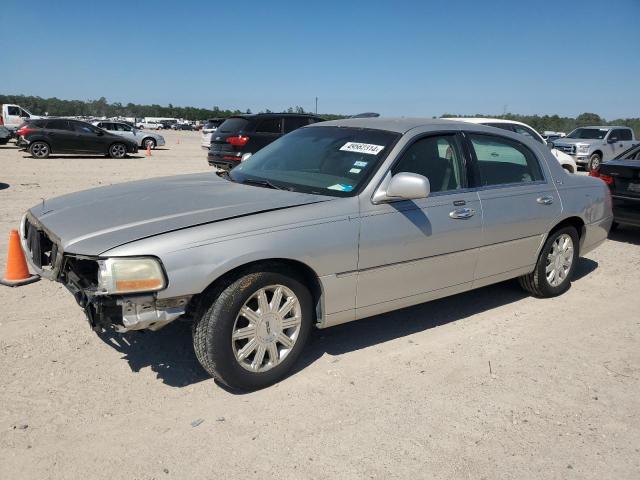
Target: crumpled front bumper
{"x": 121, "y": 312}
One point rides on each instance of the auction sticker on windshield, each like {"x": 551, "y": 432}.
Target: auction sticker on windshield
{"x": 367, "y": 148}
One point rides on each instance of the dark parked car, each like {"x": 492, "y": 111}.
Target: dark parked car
{"x": 60, "y": 135}
{"x": 622, "y": 174}
{"x": 5, "y": 135}
{"x": 240, "y": 136}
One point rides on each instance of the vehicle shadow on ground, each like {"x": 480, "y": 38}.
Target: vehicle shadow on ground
{"x": 626, "y": 234}
{"x": 85, "y": 157}
{"x": 169, "y": 351}
{"x": 4, "y": 185}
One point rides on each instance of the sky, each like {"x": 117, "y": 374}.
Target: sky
{"x": 398, "y": 58}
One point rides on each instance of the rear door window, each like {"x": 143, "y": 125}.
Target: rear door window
{"x": 85, "y": 128}
{"x": 233, "y": 125}
{"x": 269, "y": 125}
{"x": 502, "y": 161}
{"x": 58, "y": 124}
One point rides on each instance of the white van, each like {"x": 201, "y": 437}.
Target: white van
{"x": 14, "y": 115}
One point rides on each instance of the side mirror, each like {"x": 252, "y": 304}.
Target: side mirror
{"x": 550, "y": 144}
{"x": 402, "y": 186}
{"x": 612, "y": 139}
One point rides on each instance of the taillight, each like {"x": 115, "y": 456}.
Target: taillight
{"x": 238, "y": 141}
{"x": 608, "y": 179}
{"x": 24, "y": 131}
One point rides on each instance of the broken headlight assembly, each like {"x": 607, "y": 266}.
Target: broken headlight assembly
{"x": 130, "y": 275}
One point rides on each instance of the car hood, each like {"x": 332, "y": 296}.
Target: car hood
{"x": 93, "y": 221}
{"x": 573, "y": 141}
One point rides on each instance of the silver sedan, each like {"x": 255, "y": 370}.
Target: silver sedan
{"x": 143, "y": 138}
{"x": 332, "y": 223}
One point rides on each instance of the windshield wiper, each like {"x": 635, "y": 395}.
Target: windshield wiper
{"x": 265, "y": 183}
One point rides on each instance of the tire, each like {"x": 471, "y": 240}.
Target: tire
{"x": 594, "y": 161}
{"x": 614, "y": 226}
{"x": 537, "y": 282}
{"x": 39, "y": 150}
{"x": 118, "y": 150}
{"x": 150, "y": 141}
{"x": 247, "y": 362}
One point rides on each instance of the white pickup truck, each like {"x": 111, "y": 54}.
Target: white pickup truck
{"x": 12, "y": 116}
{"x": 590, "y": 146}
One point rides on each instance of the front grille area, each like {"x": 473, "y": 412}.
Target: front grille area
{"x": 570, "y": 149}
{"x": 41, "y": 249}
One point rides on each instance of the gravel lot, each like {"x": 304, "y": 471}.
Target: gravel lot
{"x": 489, "y": 384}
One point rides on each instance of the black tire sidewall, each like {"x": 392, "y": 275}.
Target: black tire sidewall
{"x": 221, "y": 317}
{"x": 591, "y": 159}
{"x": 41, "y": 143}
{"x": 111, "y": 148}
{"x": 545, "y": 287}
{"x": 153, "y": 143}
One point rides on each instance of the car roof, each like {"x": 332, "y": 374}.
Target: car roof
{"x": 483, "y": 120}
{"x": 250, "y": 116}
{"x": 399, "y": 125}
{"x": 604, "y": 126}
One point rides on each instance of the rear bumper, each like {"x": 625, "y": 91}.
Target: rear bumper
{"x": 595, "y": 234}
{"x": 626, "y": 210}
{"x": 223, "y": 162}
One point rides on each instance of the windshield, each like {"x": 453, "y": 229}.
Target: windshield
{"x": 589, "y": 133}
{"x": 334, "y": 161}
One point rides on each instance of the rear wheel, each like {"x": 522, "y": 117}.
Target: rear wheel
{"x": 149, "y": 142}
{"x": 594, "y": 161}
{"x": 39, "y": 150}
{"x": 117, "y": 150}
{"x": 251, "y": 334}
{"x": 555, "y": 266}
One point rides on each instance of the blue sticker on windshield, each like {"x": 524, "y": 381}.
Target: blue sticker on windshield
{"x": 341, "y": 187}
{"x": 360, "y": 164}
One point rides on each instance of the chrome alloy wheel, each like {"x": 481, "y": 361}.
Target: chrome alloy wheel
{"x": 40, "y": 150}
{"x": 559, "y": 260}
{"x": 118, "y": 150}
{"x": 266, "y": 328}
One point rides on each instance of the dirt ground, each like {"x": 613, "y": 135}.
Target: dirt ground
{"x": 489, "y": 384}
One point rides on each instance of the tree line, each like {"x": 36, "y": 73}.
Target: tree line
{"x": 102, "y": 108}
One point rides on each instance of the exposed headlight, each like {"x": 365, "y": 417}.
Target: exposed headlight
{"x": 130, "y": 275}
{"x": 582, "y": 148}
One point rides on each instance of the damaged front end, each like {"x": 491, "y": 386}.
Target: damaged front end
{"x": 109, "y": 294}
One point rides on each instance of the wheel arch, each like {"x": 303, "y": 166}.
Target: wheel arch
{"x": 598, "y": 151}
{"x": 573, "y": 221}
{"x": 148, "y": 138}
{"x": 300, "y": 270}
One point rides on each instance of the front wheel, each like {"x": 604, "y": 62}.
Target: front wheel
{"x": 594, "y": 161}
{"x": 555, "y": 266}
{"x": 250, "y": 336}
{"x": 117, "y": 150}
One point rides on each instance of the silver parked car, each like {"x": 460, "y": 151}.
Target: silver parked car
{"x": 331, "y": 223}
{"x": 142, "y": 138}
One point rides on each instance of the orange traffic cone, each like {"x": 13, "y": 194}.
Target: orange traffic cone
{"x": 17, "y": 272}
{"x": 148, "y": 150}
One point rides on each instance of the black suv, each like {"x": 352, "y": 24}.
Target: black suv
{"x": 240, "y": 136}
{"x": 61, "y": 135}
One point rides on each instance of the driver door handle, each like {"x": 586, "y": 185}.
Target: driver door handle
{"x": 462, "y": 213}
{"x": 545, "y": 200}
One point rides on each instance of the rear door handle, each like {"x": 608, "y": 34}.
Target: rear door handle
{"x": 462, "y": 213}
{"x": 545, "y": 200}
